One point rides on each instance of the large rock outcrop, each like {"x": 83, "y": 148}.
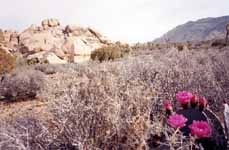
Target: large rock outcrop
{"x": 70, "y": 44}
{"x": 2, "y": 39}
{"x": 36, "y": 39}
{"x": 50, "y": 23}
{"x": 9, "y": 40}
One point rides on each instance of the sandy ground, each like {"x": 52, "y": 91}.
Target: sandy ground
{"x": 35, "y": 108}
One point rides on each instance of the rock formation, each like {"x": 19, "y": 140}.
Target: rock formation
{"x": 1, "y": 36}
{"x": 8, "y": 41}
{"x": 69, "y": 44}
{"x": 50, "y": 23}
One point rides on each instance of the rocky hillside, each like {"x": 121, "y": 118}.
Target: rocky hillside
{"x": 200, "y": 30}
{"x": 53, "y": 43}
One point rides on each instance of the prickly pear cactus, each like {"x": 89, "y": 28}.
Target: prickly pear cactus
{"x": 194, "y": 120}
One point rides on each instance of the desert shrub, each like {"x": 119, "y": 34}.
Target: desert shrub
{"x": 7, "y": 62}
{"x": 158, "y": 46}
{"x": 25, "y": 133}
{"x": 94, "y": 101}
{"x": 22, "y": 84}
{"x": 102, "y": 105}
{"x": 36, "y": 61}
{"x": 218, "y": 43}
{"x": 94, "y": 106}
{"x": 189, "y": 45}
{"x": 49, "y": 69}
{"x": 20, "y": 61}
{"x": 110, "y": 53}
{"x": 109, "y": 105}
{"x": 33, "y": 61}
{"x": 46, "y": 69}
{"x": 180, "y": 47}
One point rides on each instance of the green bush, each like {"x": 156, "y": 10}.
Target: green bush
{"x": 7, "y": 62}
{"x": 110, "y": 53}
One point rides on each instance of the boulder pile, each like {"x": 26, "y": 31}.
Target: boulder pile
{"x": 55, "y": 43}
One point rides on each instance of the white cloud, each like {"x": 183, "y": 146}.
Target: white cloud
{"x": 126, "y": 20}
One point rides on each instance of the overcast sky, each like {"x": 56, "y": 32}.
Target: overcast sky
{"x": 125, "y": 20}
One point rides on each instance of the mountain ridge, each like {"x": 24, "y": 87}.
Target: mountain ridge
{"x": 199, "y": 30}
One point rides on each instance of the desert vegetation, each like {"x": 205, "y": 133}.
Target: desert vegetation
{"x": 7, "y": 62}
{"x": 112, "y": 105}
{"x": 149, "y": 47}
{"x": 110, "y": 52}
{"x": 21, "y": 86}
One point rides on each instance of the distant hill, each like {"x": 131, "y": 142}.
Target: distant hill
{"x": 200, "y": 30}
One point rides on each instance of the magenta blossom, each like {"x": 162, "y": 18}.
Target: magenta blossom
{"x": 184, "y": 97}
{"x": 194, "y": 99}
{"x": 168, "y": 105}
{"x": 201, "y": 129}
{"x": 177, "y": 121}
{"x": 203, "y": 102}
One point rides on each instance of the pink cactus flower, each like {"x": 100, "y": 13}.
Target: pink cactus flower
{"x": 184, "y": 97}
{"x": 194, "y": 101}
{"x": 203, "y": 102}
{"x": 201, "y": 129}
{"x": 168, "y": 105}
{"x": 177, "y": 121}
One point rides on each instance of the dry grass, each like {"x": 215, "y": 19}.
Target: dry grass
{"x": 109, "y": 105}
